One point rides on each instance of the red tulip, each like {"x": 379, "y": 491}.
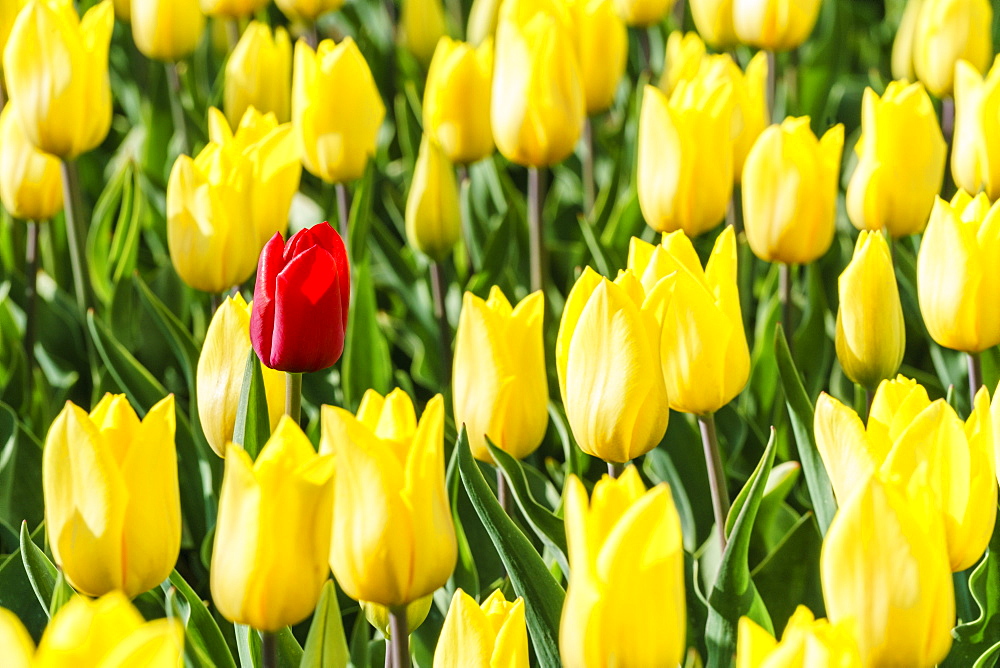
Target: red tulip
{"x": 300, "y": 301}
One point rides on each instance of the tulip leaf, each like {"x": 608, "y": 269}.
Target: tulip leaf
{"x": 199, "y": 625}
{"x": 20, "y": 472}
{"x": 194, "y": 653}
{"x": 326, "y": 644}
{"x": 360, "y": 217}
{"x": 466, "y": 575}
{"x": 800, "y": 409}
{"x": 975, "y": 639}
{"x": 248, "y": 642}
{"x": 178, "y": 338}
{"x": 366, "y": 362}
{"x": 543, "y": 597}
{"x": 17, "y": 592}
{"x": 734, "y": 593}
{"x": 41, "y": 572}
{"x": 62, "y": 592}
{"x": 549, "y": 526}
{"x": 253, "y": 426}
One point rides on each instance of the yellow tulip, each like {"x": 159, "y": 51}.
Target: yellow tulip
{"x": 232, "y": 8}
{"x": 167, "y": 29}
{"x": 958, "y": 277}
{"x": 259, "y": 74}
{"x": 416, "y": 613}
{"x": 483, "y": 17}
{"x": 626, "y": 578}
{"x": 269, "y": 562}
{"x": 500, "y": 390}
{"x": 885, "y": 576}
{"x": 30, "y": 181}
{"x": 421, "y": 26}
{"x": 221, "y": 366}
{"x": 790, "y": 184}
{"x": 336, "y": 110}
{"x": 112, "y": 502}
{"x": 806, "y": 642}
{"x": 703, "y": 348}
{"x": 608, "y": 336}
{"x": 946, "y": 31}
{"x": 902, "y": 45}
{"x": 433, "y": 215}
{"x": 643, "y": 13}
{"x": 538, "y": 104}
{"x": 601, "y": 49}
{"x": 123, "y": 10}
{"x": 457, "y": 100}
{"x": 307, "y": 10}
{"x": 774, "y": 25}
{"x": 682, "y": 61}
{"x": 56, "y": 66}
{"x": 901, "y": 160}
{"x": 393, "y": 538}
{"x": 870, "y": 335}
{"x": 975, "y": 155}
{"x": 714, "y": 21}
{"x": 9, "y": 11}
{"x": 487, "y": 636}
{"x": 15, "y": 640}
{"x": 924, "y": 447}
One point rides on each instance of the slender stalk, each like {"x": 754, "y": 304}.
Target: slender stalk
{"x": 975, "y": 375}
{"x": 30, "y": 282}
{"x": 869, "y": 398}
{"x": 948, "y": 130}
{"x": 588, "y": 168}
{"x": 771, "y": 83}
{"x": 444, "y": 331}
{"x": 615, "y": 470}
{"x": 678, "y": 14}
{"x": 399, "y": 645}
{"x": 535, "y": 235}
{"x": 343, "y": 210}
{"x": 734, "y": 214}
{"x": 503, "y": 491}
{"x": 716, "y": 475}
{"x": 388, "y": 654}
{"x": 269, "y": 649}
{"x": 176, "y": 107}
{"x": 293, "y": 396}
{"x": 312, "y": 36}
{"x": 645, "y": 50}
{"x": 232, "y": 33}
{"x": 787, "y": 307}
{"x": 76, "y": 234}
{"x": 791, "y": 78}
{"x": 463, "y": 185}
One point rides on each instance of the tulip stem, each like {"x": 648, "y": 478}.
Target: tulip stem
{"x": 771, "y": 85}
{"x": 588, "y": 168}
{"x": 176, "y": 108}
{"x": 975, "y": 376}
{"x": 444, "y": 331}
{"x": 645, "y": 49}
{"x": 678, "y": 15}
{"x": 76, "y": 234}
{"x": 399, "y": 645}
{"x": 503, "y": 492}
{"x": 30, "y": 282}
{"x": 464, "y": 184}
{"x": 312, "y": 36}
{"x": 787, "y": 307}
{"x": 615, "y": 470}
{"x": 293, "y": 396}
{"x": 535, "y": 236}
{"x": 232, "y": 33}
{"x": 269, "y": 649}
{"x": 948, "y": 130}
{"x": 343, "y": 210}
{"x": 869, "y": 400}
{"x": 716, "y": 474}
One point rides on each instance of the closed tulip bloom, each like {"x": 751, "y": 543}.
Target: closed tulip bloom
{"x": 56, "y": 68}
{"x": 714, "y": 21}
{"x": 457, "y": 100}
{"x": 9, "y": 11}
{"x": 433, "y": 214}
{"x": 15, "y": 640}
{"x": 608, "y": 337}
{"x": 492, "y": 635}
{"x": 870, "y": 336}
{"x": 30, "y": 181}
{"x": 947, "y": 31}
{"x": 500, "y": 390}
{"x": 301, "y": 299}
{"x": 958, "y": 277}
{"x": 774, "y": 25}
{"x": 393, "y": 537}
{"x": 626, "y": 578}
{"x": 601, "y": 49}
{"x": 805, "y": 642}
{"x": 901, "y": 160}
{"x": 885, "y": 576}
{"x": 271, "y": 541}
{"x": 259, "y": 74}
{"x": 902, "y": 45}
{"x": 219, "y": 379}
{"x": 307, "y": 10}
{"x": 232, "y": 8}
{"x": 336, "y": 110}
{"x": 167, "y": 29}
{"x": 112, "y": 502}
{"x": 538, "y": 105}
{"x": 643, "y": 13}
{"x": 682, "y": 61}
{"x": 422, "y": 25}
{"x": 790, "y": 183}
{"x": 975, "y": 154}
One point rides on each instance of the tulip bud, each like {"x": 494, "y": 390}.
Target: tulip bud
{"x": 30, "y": 181}
{"x": 500, "y": 390}
{"x": 601, "y": 50}
{"x": 259, "y": 74}
{"x": 714, "y": 21}
{"x": 870, "y": 336}
{"x": 946, "y": 31}
{"x": 958, "y": 277}
{"x": 232, "y": 9}
{"x": 167, "y": 29}
{"x": 273, "y": 534}
{"x": 307, "y": 10}
{"x": 806, "y": 642}
{"x": 625, "y": 553}
{"x": 56, "y": 67}
{"x": 643, "y": 13}
{"x": 885, "y": 576}
{"x": 790, "y": 183}
{"x": 221, "y": 367}
{"x": 390, "y": 467}
{"x": 416, "y": 613}
{"x": 682, "y": 61}
{"x": 301, "y": 299}
{"x": 607, "y": 337}
{"x": 486, "y": 636}
{"x": 336, "y": 110}
{"x": 433, "y": 215}
{"x": 112, "y": 501}
{"x": 421, "y": 26}
{"x": 457, "y": 100}
{"x": 901, "y": 159}
{"x": 774, "y": 25}
{"x": 685, "y": 170}
{"x": 538, "y": 105}
{"x": 975, "y": 155}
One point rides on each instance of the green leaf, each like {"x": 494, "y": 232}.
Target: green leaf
{"x": 41, "y": 572}
{"x": 17, "y": 592}
{"x": 734, "y": 593}
{"x": 543, "y": 597}
{"x": 253, "y": 426}
{"x": 20, "y": 472}
{"x": 465, "y": 575}
{"x": 800, "y": 409}
{"x": 977, "y": 638}
{"x": 326, "y": 644}
{"x": 789, "y": 575}
{"x": 200, "y": 627}
{"x": 61, "y": 594}
{"x": 248, "y": 642}
{"x": 366, "y": 361}
{"x": 360, "y": 217}
{"x": 179, "y": 339}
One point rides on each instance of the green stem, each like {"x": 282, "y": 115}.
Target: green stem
{"x": 975, "y": 376}
{"x": 463, "y": 185}
{"x": 678, "y": 15}
{"x": 535, "y": 234}
{"x": 30, "y": 283}
{"x": 787, "y": 307}
{"x": 399, "y": 644}
{"x": 444, "y": 331}
{"x": 615, "y": 470}
{"x": 269, "y": 649}
{"x": 293, "y": 396}
{"x": 869, "y": 400}
{"x": 503, "y": 491}
{"x": 176, "y": 107}
{"x": 76, "y": 235}
{"x": 588, "y": 168}
{"x": 771, "y": 84}
{"x": 716, "y": 474}
{"x": 312, "y": 36}
{"x": 343, "y": 210}
{"x": 232, "y": 33}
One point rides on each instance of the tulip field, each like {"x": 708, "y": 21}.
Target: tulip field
{"x": 499, "y": 333}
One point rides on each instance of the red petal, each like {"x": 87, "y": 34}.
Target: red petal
{"x": 269, "y": 265}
